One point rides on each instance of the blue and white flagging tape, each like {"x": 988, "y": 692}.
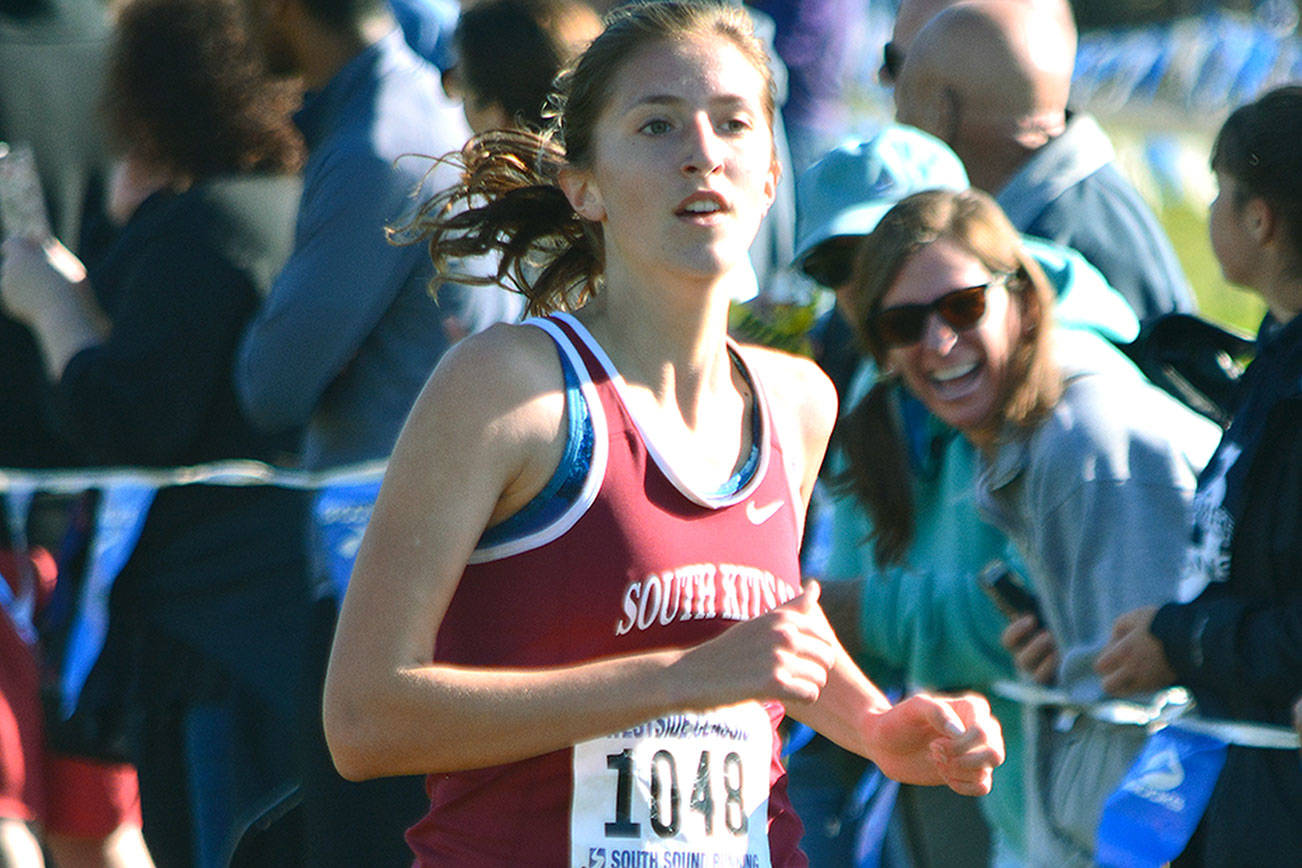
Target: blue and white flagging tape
{"x": 126, "y": 495}
{"x": 1172, "y": 707}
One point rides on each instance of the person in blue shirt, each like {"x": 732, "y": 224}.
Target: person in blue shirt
{"x": 349, "y": 332}
{"x": 428, "y": 25}
{"x": 1231, "y": 634}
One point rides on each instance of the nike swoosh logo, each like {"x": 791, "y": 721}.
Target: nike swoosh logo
{"x": 761, "y": 514}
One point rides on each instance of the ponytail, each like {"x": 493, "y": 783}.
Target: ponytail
{"x": 508, "y": 203}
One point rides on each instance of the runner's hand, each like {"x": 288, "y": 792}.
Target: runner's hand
{"x": 784, "y": 655}
{"x": 927, "y": 739}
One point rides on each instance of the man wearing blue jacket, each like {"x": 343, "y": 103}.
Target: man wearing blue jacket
{"x": 992, "y": 79}
{"x": 349, "y": 332}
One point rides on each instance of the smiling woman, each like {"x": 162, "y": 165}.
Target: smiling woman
{"x": 578, "y": 604}
{"x": 1085, "y": 466}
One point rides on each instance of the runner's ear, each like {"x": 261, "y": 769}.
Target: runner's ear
{"x": 581, "y": 189}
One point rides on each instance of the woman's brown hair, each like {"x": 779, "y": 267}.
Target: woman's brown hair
{"x": 879, "y": 471}
{"x": 187, "y": 89}
{"x": 508, "y": 201}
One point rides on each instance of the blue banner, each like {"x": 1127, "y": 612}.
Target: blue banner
{"x": 18, "y": 593}
{"x": 121, "y": 516}
{"x": 874, "y": 802}
{"x": 871, "y": 805}
{"x": 1151, "y": 816}
{"x": 341, "y": 512}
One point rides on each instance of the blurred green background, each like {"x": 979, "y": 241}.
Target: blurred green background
{"x": 1182, "y": 206}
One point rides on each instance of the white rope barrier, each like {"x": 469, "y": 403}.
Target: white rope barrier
{"x": 233, "y": 472}
{"x": 1171, "y": 707}
{"x": 344, "y": 496}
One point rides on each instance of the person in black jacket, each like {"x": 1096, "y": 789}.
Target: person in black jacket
{"x": 1237, "y": 644}
{"x": 207, "y": 617}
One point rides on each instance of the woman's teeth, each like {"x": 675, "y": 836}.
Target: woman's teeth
{"x": 953, "y": 372}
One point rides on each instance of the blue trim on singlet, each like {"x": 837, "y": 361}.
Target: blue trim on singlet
{"x": 565, "y": 487}
{"x": 738, "y": 480}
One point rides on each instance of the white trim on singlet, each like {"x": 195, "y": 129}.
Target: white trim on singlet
{"x": 596, "y": 471}
{"x": 645, "y": 429}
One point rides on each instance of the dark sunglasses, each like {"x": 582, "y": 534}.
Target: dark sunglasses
{"x": 892, "y": 60}
{"x": 961, "y": 309}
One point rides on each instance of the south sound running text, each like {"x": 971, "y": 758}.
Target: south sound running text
{"x": 682, "y": 726}
{"x": 602, "y": 857}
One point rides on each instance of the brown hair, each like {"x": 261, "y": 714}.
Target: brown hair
{"x": 1258, "y": 147}
{"x": 187, "y": 89}
{"x": 508, "y": 201}
{"x": 870, "y": 434}
{"x": 510, "y": 51}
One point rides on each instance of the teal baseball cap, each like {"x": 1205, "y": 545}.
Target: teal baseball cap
{"x": 848, "y": 190}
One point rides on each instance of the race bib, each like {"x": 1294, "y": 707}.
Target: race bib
{"x": 686, "y": 790}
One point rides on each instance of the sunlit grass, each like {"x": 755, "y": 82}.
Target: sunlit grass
{"x": 1181, "y": 203}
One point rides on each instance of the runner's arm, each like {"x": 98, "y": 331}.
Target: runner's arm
{"x": 923, "y": 739}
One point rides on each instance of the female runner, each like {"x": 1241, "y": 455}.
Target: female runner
{"x": 578, "y": 606}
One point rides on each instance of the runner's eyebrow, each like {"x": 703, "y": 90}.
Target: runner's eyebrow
{"x": 728, "y": 102}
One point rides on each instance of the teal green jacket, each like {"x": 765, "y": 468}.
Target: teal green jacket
{"x": 926, "y": 623}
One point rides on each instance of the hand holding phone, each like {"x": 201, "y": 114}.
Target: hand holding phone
{"x": 22, "y": 204}
{"x": 1027, "y": 637}
{"x": 1008, "y": 591}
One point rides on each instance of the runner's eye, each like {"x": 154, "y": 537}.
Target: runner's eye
{"x": 656, "y": 127}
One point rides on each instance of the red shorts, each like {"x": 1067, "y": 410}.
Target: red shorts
{"x": 71, "y": 796}
{"x": 89, "y": 799}
{"x": 22, "y": 735}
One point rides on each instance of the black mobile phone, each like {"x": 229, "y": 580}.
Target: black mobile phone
{"x": 1008, "y": 591}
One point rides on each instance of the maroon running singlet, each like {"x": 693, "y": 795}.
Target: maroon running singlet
{"x": 639, "y": 562}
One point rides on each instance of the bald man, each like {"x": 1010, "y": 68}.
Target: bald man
{"x": 913, "y": 15}
{"x": 991, "y": 78}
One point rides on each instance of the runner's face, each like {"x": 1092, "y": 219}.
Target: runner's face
{"x": 683, "y": 168}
